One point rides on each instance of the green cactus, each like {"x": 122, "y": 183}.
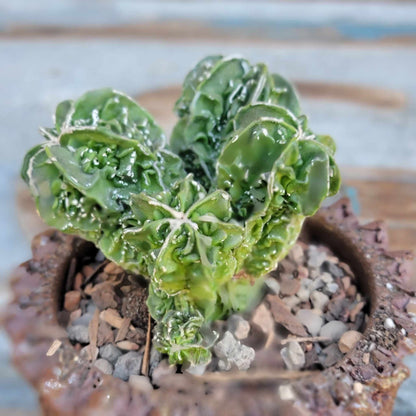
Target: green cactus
{"x": 204, "y": 217}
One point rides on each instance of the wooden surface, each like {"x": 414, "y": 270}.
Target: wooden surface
{"x": 353, "y": 62}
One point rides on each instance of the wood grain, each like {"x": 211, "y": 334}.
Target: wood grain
{"x": 372, "y": 23}
{"x": 356, "y": 94}
{"x": 191, "y": 33}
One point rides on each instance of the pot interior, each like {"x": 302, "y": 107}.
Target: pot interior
{"x": 318, "y": 231}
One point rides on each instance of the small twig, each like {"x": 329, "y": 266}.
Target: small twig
{"x": 305, "y": 339}
{"x": 255, "y": 376}
{"x": 54, "y": 347}
{"x": 96, "y": 270}
{"x": 71, "y": 274}
{"x": 145, "y": 366}
{"x": 269, "y": 340}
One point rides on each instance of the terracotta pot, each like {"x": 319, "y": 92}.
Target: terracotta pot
{"x": 364, "y": 382}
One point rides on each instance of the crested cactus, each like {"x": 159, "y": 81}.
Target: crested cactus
{"x": 203, "y": 217}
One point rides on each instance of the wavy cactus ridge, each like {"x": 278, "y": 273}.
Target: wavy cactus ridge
{"x": 205, "y": 217}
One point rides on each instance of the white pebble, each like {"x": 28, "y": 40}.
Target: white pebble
{"x": 389, "y": 286}
{"x": 316, "y": 257}
{"x": 273, "y": 285}
{"x": 293, "y": 356}
{"x": 319, "y": 300}
{"x": 233, "y": 352}
{"x": 286, "y": 392}
{"x": 332, "y": 288}
{"x": 238, "y": 326}
{"x": 224, "y": 365}
{"x": 311, "y": 320}
{"x": 327, "y": 278}
{"x": 389, "y": 324}
{"x": 333, "y": 330}
{"x": 358, "y": 388}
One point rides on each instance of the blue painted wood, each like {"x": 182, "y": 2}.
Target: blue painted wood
{"x": 325, "y": 20}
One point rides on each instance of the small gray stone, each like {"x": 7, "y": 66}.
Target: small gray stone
{"x": 91, "y": 308}
{"x": 225, "y": 346}
{"x": 83, "y": 320}
{"x": 330, "y": 355}
{"x": 244, "y": 358}
{"x": 140, "y": 383}
{"x": 319, "y": 300}
{"x": 79, "y": 333}
{"x": 103, "y": 365}
{"x": 317, "y": 284}
{"x": 110, "y": 352}
{"x": 315, "y": 257}
{"x": 333, "y": 269}
{"x": 86, "y": 317}
{"x": 128, "y": 364}
{"x": 305, "y": 290}
{"x": 306, "y": 283}
{"x": 293, "y": 356}
{"x": 311, "y": 320}
{"x": 314, "y": 273}
{"x": 272, "y": 285}
{"x": 333, "y": 330}
{"x": 331, "y": 288}
{"x": 232, "y": 352}
{"x": 224, "y": 365}
{"x": 326, "y": 278}
{"x": 238, "y": 326}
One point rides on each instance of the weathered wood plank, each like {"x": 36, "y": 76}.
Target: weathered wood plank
{"x": 385, "y": 193}
{"x": 250, "y": 21}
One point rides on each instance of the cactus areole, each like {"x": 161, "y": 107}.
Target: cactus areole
{"x": 203, "y": 216}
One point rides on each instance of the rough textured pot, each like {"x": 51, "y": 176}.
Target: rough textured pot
{"x": 356, "y": 385}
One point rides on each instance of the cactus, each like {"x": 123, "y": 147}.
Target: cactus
{"x": 203, "y": 217}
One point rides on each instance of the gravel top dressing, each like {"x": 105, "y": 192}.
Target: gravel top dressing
{"x": 310, "y": 316}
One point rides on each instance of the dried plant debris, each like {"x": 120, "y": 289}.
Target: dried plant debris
{"x": 311, "y": 315}
{"x": 111, "y": 332}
